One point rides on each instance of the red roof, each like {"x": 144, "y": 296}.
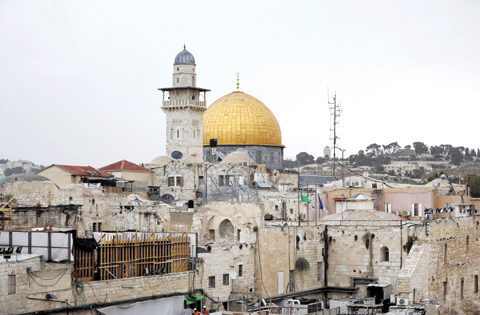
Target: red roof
{"x": 124, "y": 165}
{"x": 83, "y": 170}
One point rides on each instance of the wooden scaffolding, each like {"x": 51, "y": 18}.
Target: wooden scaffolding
{"x": 6, "y": 209}
{"x": 132, "y": 255}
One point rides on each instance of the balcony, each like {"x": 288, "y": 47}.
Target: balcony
{"x": 184, "y": 103}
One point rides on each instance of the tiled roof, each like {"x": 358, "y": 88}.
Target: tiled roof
{"x": 124, "y": 165}
{"x": 83, "y": 170}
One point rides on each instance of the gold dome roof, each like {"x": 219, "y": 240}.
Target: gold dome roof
{"x": 240, "y": 119}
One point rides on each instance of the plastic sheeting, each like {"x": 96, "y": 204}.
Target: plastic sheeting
{"x": 57, "y": 245}
{"x": 167, "y": 306}
{"x": 195, "y": 299}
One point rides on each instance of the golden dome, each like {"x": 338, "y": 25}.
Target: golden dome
{"x": 240, "y": 119}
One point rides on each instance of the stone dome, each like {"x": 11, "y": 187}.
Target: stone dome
{"x": 161, "y": 160}
{"x": 23, "y": 178}
{"x": 240, "y": 119}
{"x": 236, "y": 158}
{"x": 184, "y": 58}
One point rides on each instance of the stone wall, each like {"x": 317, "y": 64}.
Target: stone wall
{"x": 348, "y": 256}
{"x": 31, "y": 288}
{"x": 441, "y": 260}
{"x": 190, "y": 172}
{"x": 44, "y": 278}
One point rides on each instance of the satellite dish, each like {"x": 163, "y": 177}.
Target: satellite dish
{"x": 451, "y": 177}
{"x": 177, "y": 155}
{"x": 365, "y": 174}
{"x": 233, "y": 275}
{"x": 198, "y": 194}
{"x": 443, "y": 176}
{"x": 385, "y": 176}
{"x": 285, "y": 226}
{"x": 167, "y": 198}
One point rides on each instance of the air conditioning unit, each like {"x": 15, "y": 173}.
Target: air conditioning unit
{"x": 406, "y": 213}
{"x": 245, "y": 163}
{"x": 393, "y": 298}
{"x": 347, "y": 184}
{"x": 358, "y": 184}
{"x": 395, "y": 212}
{"x": 403, "y": 302}
{"x": 302, "y": 216}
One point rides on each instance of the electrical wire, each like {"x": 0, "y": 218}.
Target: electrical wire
{"x": 48, "y": 285}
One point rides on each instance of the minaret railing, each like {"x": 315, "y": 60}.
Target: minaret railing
{"x": 184, "y": 103}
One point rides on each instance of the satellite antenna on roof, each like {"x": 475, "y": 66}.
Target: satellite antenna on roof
{"x": 285, "y": 226}
{"x": 365, "y": 174}
{"x": 233, "y": 275}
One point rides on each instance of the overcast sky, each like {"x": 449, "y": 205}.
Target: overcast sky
{"x": 79, "y": 79}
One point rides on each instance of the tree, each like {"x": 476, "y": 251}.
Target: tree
{"x": 445, "y": 148}
{"x": 434, "y": 150}
{"x": 374, "y": 149}
{"x": 408, "y": 147}
{"x": 394, "y": 147}
{"x": 473, "y": 152}
{"x": 304, "y": 158}
{"x": 456, "y": 155}
{"x": 320, "y": 160}
{"x": 420, "y": 147}
{"x": 474, "y": 183}
{"x": 15, "y": 170}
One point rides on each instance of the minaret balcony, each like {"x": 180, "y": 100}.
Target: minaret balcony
{"x": 172, "y": 103}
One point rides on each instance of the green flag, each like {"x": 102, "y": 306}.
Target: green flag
{"x": 305, "y": 198}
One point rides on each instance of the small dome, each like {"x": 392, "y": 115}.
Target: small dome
{"x": 82, "y": 190}
{"x": 161, "y": 160}
{"x": 184, "y": 58}
{"x": 236, "y": 158}
{"x": 23, "y": 178}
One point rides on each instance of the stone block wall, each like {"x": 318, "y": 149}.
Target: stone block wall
{"x": 54, "y": 279}
{"x": 441, "y": 260}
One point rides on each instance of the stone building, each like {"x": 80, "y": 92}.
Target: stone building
{"x": 184, "y": 104}
{"x": 129, "y": 171}
{"x": 63, "y": 175}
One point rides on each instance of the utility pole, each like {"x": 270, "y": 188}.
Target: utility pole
{"x": 335, "y": 112}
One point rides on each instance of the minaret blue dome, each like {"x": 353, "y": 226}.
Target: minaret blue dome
{"x": 184, "y": 58}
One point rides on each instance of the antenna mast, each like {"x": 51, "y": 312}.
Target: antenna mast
{"x": 335, "y": 112}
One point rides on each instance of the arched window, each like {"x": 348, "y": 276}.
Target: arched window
{"x": 178, "y": 80}
{"x": 384, "y": 254}
{"x": 193, "y": 98}
{"x": 226, "y": 229}
{"x": 193, "y": 80}
{"x": 178, "y": 68}
{"x": 178, "y": 134}
{"x": 467, "y": 243}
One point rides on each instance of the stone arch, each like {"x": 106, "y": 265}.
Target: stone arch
{"x": 226, "y": 229}
{"x": 384, "y": 254}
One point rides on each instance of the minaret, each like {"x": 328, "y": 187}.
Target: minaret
{"x": 184, "y": 104}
